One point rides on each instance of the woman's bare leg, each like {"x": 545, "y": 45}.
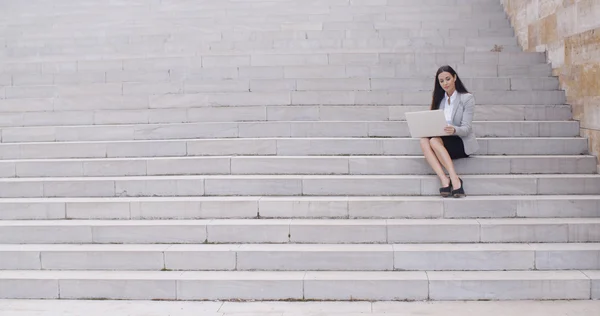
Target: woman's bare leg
{"x": 442, "y": 155}
{"x": 433, "y": 161}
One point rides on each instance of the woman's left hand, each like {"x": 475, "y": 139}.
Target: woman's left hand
{"x": 450, "y": 130}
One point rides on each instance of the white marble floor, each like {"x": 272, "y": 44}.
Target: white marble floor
{"x": 150, "y": 308}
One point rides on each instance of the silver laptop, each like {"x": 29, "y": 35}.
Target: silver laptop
{"x": 426, "y": 123}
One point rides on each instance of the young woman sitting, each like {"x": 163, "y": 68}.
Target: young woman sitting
{"x": 450, "y": 95}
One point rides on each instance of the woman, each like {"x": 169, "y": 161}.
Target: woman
{"x": 451, "y": 96}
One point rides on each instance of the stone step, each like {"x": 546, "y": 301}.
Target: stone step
{"x": 49, "y": 63}
{"x": 203, "y": 9}
{"x": 221, "y": 16}
{"x": 262, "y": 129}
{"x": 109, "y": 96}
{"x": 42, "y": 86}
{"x": 487, "y": 79}
{"x": 300, "y": 18}
{"x": 303, "y": 257}
{"x": 178, "y": 36}
{"x": 332, "y": 20}
{"x": 280, "y": 147}
{"x": 364, "y": 41}
{"x": 127, "y": 67}
{"x": 297, "y": 207}
{"x": 200, "y": 80}
{"x": 307, "y": 11}
{"x": 279, "y": 38}
{"x": 409, "y": 3}
{"x": 92, "y": 6}
{"x": 254, "y": 15}
{"x": 286, "y": 185}
{"x": 294, "y": 13}
{"x": 290, "y": 165}
{"x": 302, "y": 91}
{"x": 302, "y": 231}
{"x": 107, "y": 52}
{"x": 310, "y": 98}
{"x": 70, "y": 7}
{"x": 296, "y": 285}
{"x": 149, "y": 35}
{"x": 310, "y": 66}
{"x": 323, "y": 22}
{"x": 290, "y": 19}
{"x": 276, "y": 47}
{"x": 229, "y": 50}
{"x": 28, "y": 113}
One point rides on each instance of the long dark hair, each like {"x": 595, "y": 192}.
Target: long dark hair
{"x": 438, "y": 91}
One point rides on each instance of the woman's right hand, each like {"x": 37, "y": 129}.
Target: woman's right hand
{"x": 450, "y": 130}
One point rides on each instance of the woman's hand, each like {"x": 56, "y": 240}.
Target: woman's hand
{"x": 450, "y": 130}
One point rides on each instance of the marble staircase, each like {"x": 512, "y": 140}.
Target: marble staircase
{"x": 258, "y": 150}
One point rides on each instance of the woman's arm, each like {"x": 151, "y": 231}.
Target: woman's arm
{"x": 467, "y": 118}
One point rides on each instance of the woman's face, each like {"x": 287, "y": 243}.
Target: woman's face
{"x": 447, "y": 81}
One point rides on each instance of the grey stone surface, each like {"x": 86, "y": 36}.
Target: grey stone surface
{"x": 432, "y": 231}
{"x": 241, "y": 285}
{"x": 584, "y": 231}
{"x": 253, "y": 186}
{"x": 197, "y": 208}
{"x": 15, "y": 210}
{"x": 118, "y": 289}
{"x": 335, "y": 308}
{"x": 20, "y": 260}
{"x": 214, "y": 257}
{"x": 315, "y": 258}
{"x": 338, "y": 231}
{"x": 508, "y": 285}
{"x": 302, "y": 208}
{"x": 594, "y": 277}
{"x": 522, "y": 231}
{"x": 160, "y": 187}
{"x": 29, "y": 289}
{"x": 118, "y": 260}
{"x": 463, "y": 257}
{"x": 577, "y": 256}
{"x": 281, "y": 146}
{"x": 20, "y": 233}
{"x": 248, "y": 231}
{"x": 367, "y": 286}
{"x": 269, "y": 137}
{"x": 550, "y": 308}
{"x": 283, "y": 185}
{"x": 97, "y": 210}
{"x": 171, "y": 232}
{"x": 390, "y": 207}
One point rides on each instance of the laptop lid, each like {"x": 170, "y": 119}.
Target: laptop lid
{"x": 426, "y": 123}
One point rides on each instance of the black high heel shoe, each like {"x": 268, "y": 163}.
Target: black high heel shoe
{"x": 460, "y": 192}
{"x": 446, "y": 191}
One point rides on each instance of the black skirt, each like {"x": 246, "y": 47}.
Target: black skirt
{"x": 455, "y": 147}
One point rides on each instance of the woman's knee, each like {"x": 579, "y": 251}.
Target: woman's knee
{"x": 436, "y": 142}
{"x": 425, "y": 143}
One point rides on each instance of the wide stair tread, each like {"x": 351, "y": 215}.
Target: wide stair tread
{"x": 299, "y": 257}
{"x": 307, "y": 231}
{"x": 306, "y": 285}
{"x": 290, "y": 165}
{"x": 367, "y": 207}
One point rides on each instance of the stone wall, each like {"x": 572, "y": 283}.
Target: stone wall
{"x": 569, "y": 32}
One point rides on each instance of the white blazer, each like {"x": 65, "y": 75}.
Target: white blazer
{"x": 462, "y": 120}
